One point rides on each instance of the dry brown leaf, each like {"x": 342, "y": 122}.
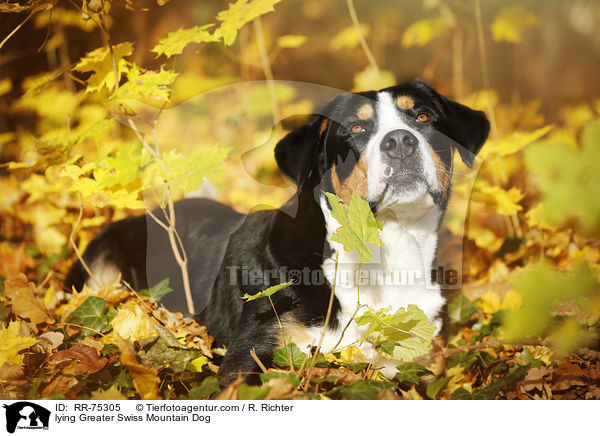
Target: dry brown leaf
{"x": 568, "y": 375}
{"x": 10, "y": 372}
{"x": 61, "y": 383}
{"x": 51, "y": 340}
{"x": 81, "y": 360}
{"x": 145, "y": 379}
{"x": 24, "y": 302}
{"x": 534, "y": 380}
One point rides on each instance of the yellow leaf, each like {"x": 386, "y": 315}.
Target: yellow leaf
{"x": 5, "y": 86}
{"x": 485, "y": 238}
{"x": 11, "y": 343}
{"x": 100, "y": 63}
{"x": 24, "y": 302}
{"x": 535, "y": 219}
{"x": 497, "y": 199}
{"x": 240, "y": 13}
{"x": 513, "y": 143}
{"x": 512, "y": 300}
{"x": 490, "y": 302}
{"x": 511, "y": 21}
{"x": 132, "y": 323}
{"x": 145, "y": 379}
{"x": 291, "y": 41}
{"x": 351, "y": 354}
{"x": 368, "y": 79}
{"x": 196, "y": 364}
{"x": 423, "y": 32}
{"x": 110, "y": 394}
{"x": 348, "y": 38}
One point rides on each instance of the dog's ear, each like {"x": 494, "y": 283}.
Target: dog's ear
{"x": 468, "y": 127}
{"x": 296, "y": 152}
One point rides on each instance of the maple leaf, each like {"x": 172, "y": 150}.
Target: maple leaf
{"x": 358, "y": 226}
{"x": 188, "y": 172}
{"x": 402, "y": 335}
{"x": 176, "y": 41}
{"x": 500, "y": 200}
{"x": 144, "y": 85}
{"x": 240, "y": 13}
{"x": 99, "y": 62}
{"x": 12, "y": 343}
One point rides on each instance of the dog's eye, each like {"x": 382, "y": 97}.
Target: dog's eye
{"x": 423, "y": 117}
{"x": 357, "y": 128}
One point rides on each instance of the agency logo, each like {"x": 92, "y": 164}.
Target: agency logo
{"x": 26, "y": 415}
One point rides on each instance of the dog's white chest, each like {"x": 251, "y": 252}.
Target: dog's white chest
{"x": 398, "y": 275}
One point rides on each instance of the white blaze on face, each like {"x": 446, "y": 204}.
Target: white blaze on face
{"x": 379, "y": 170}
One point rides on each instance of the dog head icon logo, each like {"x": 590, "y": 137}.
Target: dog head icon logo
{"x": 24, "y": 414}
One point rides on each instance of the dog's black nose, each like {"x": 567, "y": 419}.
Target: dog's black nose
{"x": 399, "y": 143}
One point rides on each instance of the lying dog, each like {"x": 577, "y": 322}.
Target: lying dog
{"x": 394, "y": 148}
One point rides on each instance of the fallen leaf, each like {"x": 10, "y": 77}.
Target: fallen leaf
{"x": 86, "y": 360}
{"x": 24, "y": 302}
{"x": 145, "y": 379}
{"x": 12, "y": 343}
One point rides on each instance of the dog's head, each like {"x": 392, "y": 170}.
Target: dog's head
{"x": 392, "y": 147}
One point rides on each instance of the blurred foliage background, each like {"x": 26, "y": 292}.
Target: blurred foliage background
{"x": 523, "y": 227}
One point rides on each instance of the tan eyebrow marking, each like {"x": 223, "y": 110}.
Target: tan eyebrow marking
{"x": 443, "y": 175}
{"x": 405, "y": 102}
{"x": 365, "y": 111}
{"x": 356, "y": 181}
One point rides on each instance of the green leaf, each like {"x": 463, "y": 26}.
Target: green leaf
{"x": 358, "y": 226}
{"x": 542, "y": 289}
{"x": 361, "y": 390}
{"x": 402, "y": 335}
{"x": 247, "y": 392}
{"x": 410, "y": 372}
{"x": 289, "y": 376}
{"x": 267, "y": 292}
{"x": 188, "y": 172}
{"x": 209, "y": 386}
{"x": 435, "y": 387}
{"x": 280, "y": 356}
{"x": 240, "y": 13}
{"x": 176, "y": 41}
{"x": 461, "y": 309}
{"x": 568, "y": 179}
{"x": 158, "y": 291}
{"x": 165, "y": 351}
{"x": 90, "y": 314}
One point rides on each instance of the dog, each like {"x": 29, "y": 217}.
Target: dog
{"x": 394, "y": 148}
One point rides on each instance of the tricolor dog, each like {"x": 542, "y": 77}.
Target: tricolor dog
{"x": 394, "y": 148}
